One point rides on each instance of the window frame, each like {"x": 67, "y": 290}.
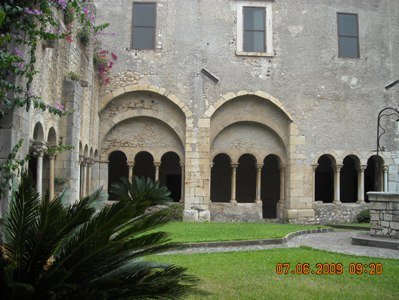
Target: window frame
{"x": 244, "y": 31}
{"x": 155, "y": 26}
{"x": 268, "y": 6}
{"x": 357, "y": 35}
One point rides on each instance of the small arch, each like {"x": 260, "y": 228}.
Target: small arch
{"x": 324, "y": 179}
{"x": 246, "y": 178}
{"x": 80, "y": 149}
{"x": 86, "y": 151}
{"x": 170, "y": 174}
{"x": 373, "y": 175}
{"x": 221, "y": 178}
{"x": 52, "y": 137}
{"x": 349, "y": 179}
{"x": 38, "y": 132}
{"x": 117, "y": 169}
{"x": 96, "y": 154}
{"x": 270, "y": 185}
{"x": 144, "y": 165}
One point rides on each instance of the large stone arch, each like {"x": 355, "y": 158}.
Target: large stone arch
{"x": 261, "y": 94}
{"x": 248, "y": 137}
{"x": 135, "y": 104}
{"x": 139, "y": 134}
{"x": 107, "y": 98}
{"x": 251, "y": 108}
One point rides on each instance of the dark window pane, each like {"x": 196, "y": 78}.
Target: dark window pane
{"x": 348, "y": 47}
{"x": 144, "y": 14}
{"x": 143, "y": 38}
{"x": 347, "y": 24}
{"x": 254, "y": 41}
{"x": 254, "y": 18}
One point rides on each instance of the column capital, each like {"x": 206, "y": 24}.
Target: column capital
{"x": 234, "y": 166}
{"x": 211, "y": 164}
{"x": 338, "y": 167}
{"x": 314, "y": 166}
{"x": 282, "y": 168}
{"x": 52, "y": 156}
{"x": 181, "y": 164}
{"x": 259, "y": 166}
{"x": 38, "y": 148}
{"x": 385, "y": 168}
{"x": 362, "y": 168}
{"x": 130, "y": 164}
{"x": 157, "y": 164}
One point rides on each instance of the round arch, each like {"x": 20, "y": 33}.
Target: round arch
{"x": 170, "y": 174}
{"x": 246, "y": 179}
{"x": 349, "y": 179}
{"x": 270, "y": 185}
{"x": 221, "y": 178}
{"x": 324, "y": 178}
{"x": 261, "y": 94}
{"x": 107, "y": 98}
{"x": 144, "y": 165}
{"x": 38, "y": 132}
{"x": 117, "y": 169}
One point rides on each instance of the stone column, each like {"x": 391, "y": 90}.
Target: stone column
{"x": 282, "y": 185}
{"x": 39, "y": 172}
{"x": 38, "y": 150}
{"x": 233, "y": 183}
{"x": 88, "y": 179}
{"x": 386, "y": 168}
{"x": 157, "y": 164}
{"x": 314, "y": 181}
{"x": 337, "y": 183}
{"x": 360, "y": 184}
{"x": 84, "y": 178}
{"x": 51, "y": 179}
{"x": 258, "y": 200}
{"x": 182, "y": 181}
{"x": 81, "y": 164}
{"x": 130, "y": 164}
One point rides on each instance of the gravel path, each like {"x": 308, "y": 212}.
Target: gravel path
{"x": 339, "y": 241}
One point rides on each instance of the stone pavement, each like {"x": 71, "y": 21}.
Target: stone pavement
{"x": 339, "y": 241}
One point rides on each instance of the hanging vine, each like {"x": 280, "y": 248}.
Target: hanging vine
{"x": 23, "y": 23}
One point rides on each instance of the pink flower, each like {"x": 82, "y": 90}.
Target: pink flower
{"x": 113, "y": 55}
{"x": 34, "y": 11}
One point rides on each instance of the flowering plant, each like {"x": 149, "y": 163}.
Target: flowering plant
{"x": 103, "y": 61}
{"x": 23, "y": 23}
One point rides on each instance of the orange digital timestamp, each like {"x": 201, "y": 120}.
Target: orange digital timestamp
{"x": 329, "y": 269}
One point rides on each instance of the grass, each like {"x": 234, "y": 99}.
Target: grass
{"x": 251, "y": 275}
{"x": 209, "y": 232}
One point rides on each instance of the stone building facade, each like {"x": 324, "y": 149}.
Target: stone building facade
{"x": 285, "y": 132}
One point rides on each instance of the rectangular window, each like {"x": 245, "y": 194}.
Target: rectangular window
{"x": 144, "y": 21}
{"x": 254, "y": 29}
{"x": 348, "y": 35}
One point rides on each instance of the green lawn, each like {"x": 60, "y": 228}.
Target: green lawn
{"x": 207, "y": 232}
{"x": 251, "y": 275}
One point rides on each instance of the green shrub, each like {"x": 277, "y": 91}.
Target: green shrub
{"x": 175, "y": 212}
{"x": 364, "y": 216}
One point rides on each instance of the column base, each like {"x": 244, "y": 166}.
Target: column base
{"x": 337, "y": 202}
{"x": 193, "y": 215}
{"x": 360, "y": 201}
{"x": 258, "y": 201}
{"x": 234, "y": 202}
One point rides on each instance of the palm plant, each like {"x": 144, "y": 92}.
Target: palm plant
{"x": 87, "y": 250}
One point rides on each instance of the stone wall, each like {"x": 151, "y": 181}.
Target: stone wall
{"x": 241, "y": 212}
{"x": 384, "y": 214}
{"x": 327, "y": 213}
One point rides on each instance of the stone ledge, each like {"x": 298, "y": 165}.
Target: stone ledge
{"x": 365, "y": 239}
{"x": 255, "y": 242}
{"x": 383, "y": 196}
